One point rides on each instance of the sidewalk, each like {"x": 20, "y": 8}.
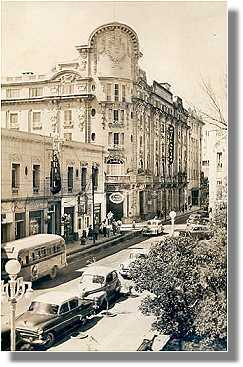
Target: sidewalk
{"x": 126, "y": 229}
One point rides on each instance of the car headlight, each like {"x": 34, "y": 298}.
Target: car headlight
{"x": 40, "y": 331}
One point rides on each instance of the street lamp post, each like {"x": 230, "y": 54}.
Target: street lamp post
{"x": 15, "y": 290}
{"x": 172, "y": 216}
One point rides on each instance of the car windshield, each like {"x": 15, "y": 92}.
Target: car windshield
{"x": 90, "y": 278}
{"x": 43, "y": 308}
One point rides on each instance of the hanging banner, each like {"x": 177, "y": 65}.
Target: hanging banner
{"x": 55, "y": 175}
{"x": 171, "y": 144}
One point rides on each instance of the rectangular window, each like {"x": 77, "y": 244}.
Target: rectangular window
{"x": 36, "y": 120}
{"x": 108, "y": 92}
{"x": 36, "y": 92}
{"x": 116, "y": 92}
{"x": 70, "y": 179}
{"x": 122, "y": 138}
{"x": 116, "y": 138}
{"x": 123, "y": 93}
{"x": 95, "y": 177}
{"x": 219, "y": 159}
{"x": 15, "y": 176}
{"x": 122, "y": 116}
{"x": 115, "y": 115}
{"x": 36, "y": 177}
{"x": 67, "y": 117}
{"x": 83, "y": 178}
{"x": 12, "y": 93}
{"x": 67, "y": 88}
{"x": 110, "y": 138}
{"x": 13, "y": 119}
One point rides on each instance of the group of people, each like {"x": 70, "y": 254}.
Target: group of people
{"x": 106, "y": 228}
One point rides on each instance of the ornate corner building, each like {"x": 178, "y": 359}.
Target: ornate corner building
{"x": 103, "y": 98}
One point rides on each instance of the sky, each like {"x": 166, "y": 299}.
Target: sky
{"x": 182, "y": 42}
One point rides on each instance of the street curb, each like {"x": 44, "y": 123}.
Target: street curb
{"x": 96, "y": 248}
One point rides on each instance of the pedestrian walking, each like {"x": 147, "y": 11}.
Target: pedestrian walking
{"x": 90, "y": 233}
{"x": 108, "y": 229}
{"x": 134, "y": 224}
{"x": 119, "y": 224}
{"x": 104, "y": 227}
{"x": 114, "y": 227}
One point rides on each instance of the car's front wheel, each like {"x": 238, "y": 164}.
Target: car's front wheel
{"x": 50, "y": 340}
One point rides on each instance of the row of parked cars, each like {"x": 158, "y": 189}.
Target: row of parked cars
{"x": 56, "y": 312}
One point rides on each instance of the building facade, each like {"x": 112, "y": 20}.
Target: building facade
{"x": 27, "y": 205}
{"x": 103, "y": 98}
{"x": 194, "y": 158}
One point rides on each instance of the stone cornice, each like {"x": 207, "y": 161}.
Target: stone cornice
{"x": 47, "y": 98}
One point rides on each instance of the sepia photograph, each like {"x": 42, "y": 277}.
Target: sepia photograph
{"x": 114, "y": 176}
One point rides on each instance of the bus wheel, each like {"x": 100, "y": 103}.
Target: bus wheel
{"x": 53, "y": 272}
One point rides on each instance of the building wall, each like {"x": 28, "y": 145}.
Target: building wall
{"x": 26, "y": 150}
{"x": 145, "y": 140}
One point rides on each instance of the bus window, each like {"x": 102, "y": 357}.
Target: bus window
{"x": 43, "y": 251}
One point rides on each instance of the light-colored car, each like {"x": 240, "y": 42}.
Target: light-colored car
{"x": 100, "y": 284}
{"x": 197, "y": 231}
{"x": 138, "y": 253}
{"x": 153, "y": 227}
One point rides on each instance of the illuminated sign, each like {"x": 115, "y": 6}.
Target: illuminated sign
{"x": 171, "y": 144}
{"x": 116, "y": 198}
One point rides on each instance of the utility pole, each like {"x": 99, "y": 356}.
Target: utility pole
{"x": 93, "y": 200}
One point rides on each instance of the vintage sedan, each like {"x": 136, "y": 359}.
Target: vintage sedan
{"x": 153, "y": 227}
{"x": 100, "y": 284}
{"x": 200, "y": 232}
{"x": 49, "y": 315}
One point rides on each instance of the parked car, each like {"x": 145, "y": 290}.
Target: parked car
{"x": 203, "y": 213}
{"x": 193, "y": 219}
{"x": 138, "y": 253}
{"x": 50, "y": 315}
{"x": 100, "y": 284}
{"x": 200, "y": 232}
{"x": 153, "y": 227}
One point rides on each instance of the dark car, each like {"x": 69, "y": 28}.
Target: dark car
{"x": 100, "y": 284}
{"x": 200, "y": 232}
{"x": 49, "y": 315}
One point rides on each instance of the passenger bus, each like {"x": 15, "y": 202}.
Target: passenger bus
{"x": 39, "y": 255}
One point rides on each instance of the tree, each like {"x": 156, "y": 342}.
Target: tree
{"x": 186, "y": 281}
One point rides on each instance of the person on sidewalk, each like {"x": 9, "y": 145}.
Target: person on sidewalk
{"x": 90, "y": 233}
{"x": 114, "y": 227}
{"x": 119, "y": 224}
{"x": 108, "y": 229}
{"x": 104, "y": 227}
{"x": 133, "y": 224}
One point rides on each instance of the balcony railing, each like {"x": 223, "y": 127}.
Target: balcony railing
{"x": 116, "y": 147}
{"x": 117, "y": 179}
